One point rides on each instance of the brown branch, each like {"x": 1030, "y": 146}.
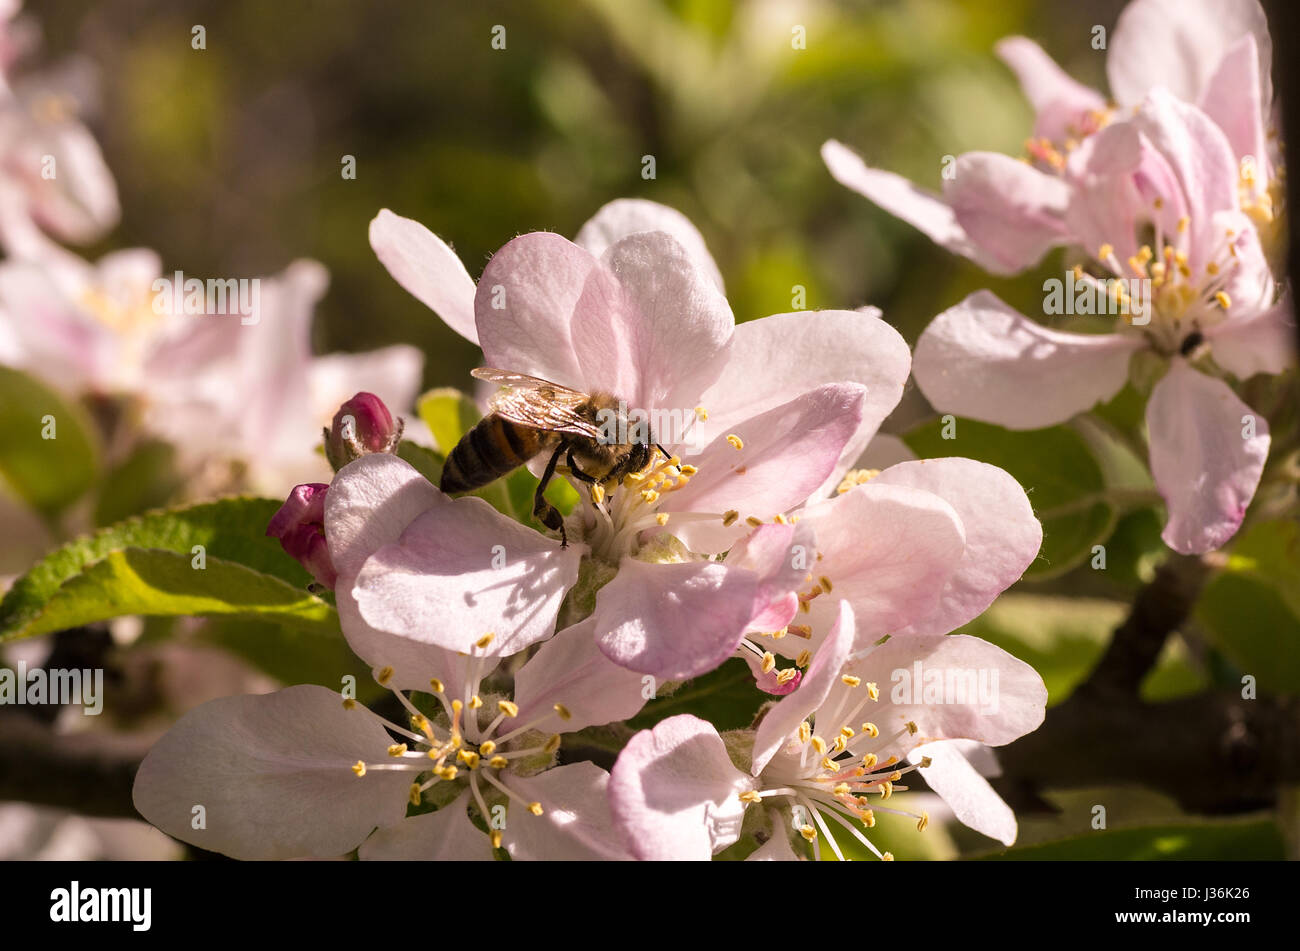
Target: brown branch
{"x": 88, "y": 773}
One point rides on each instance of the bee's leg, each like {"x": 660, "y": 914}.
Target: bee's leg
{"x": 573, "y": 468}
{"x": 545, "y": 512}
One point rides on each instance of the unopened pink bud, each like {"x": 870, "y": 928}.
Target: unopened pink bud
{"x": 300, "y": 526}
{"x": 361, "y": 426}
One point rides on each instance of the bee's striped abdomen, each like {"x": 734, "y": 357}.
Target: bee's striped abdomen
{"x": 488, "y": 451}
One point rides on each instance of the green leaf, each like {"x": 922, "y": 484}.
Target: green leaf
{"x": 1065, "y": 483}
{"x": 449, "y": 414}
{"x": 153, "y": 582}
{"x": 726, "y": 697}
{"x": 48, "y": 452}
{"x": 1249, "y": 620}
{"x": 292, "y": 655}
{"x": 1227, "y": 840}
{"x": 427, "y": 462}
{"x": 1270, "y": 552}
{"x": 232, "y": 530}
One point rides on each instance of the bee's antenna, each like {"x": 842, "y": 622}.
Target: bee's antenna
{"x": 667, "y": 454}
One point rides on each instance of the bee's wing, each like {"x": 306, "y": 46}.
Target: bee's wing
{"x": 541, "y": 404}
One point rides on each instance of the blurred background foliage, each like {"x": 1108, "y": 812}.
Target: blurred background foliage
{"x": 229, "y": 163}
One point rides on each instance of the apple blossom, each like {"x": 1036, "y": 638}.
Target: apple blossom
{"x": 301, "y": 773}
{"x": 676, "y": 791}
{"x": 1004, "y": 214}
{"x": 1167, "y": 168}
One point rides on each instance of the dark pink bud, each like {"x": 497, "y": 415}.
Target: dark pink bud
{"x": 300, "y": 526}
{"x": 361, "y": 426}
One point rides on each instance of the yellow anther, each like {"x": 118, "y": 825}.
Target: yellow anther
{"x": 736, "y": 442}
{"x": 469, "y": 758}
{"x": 818, "y": 744}
{"x": 1104, "y": 252}
{"x": 349, "y": 703}
{"x": 496, "y": 838}
{"x": 397, "y": 749}
{"x": 498, "y": 762}
{"x": 475, "y": 702}
{"x": 754, "y": 520}
{"x": 1212, "y": 268}
{"x": 436, "y": 685}
{"x": 384, "y": 675}
{"x": 850, "y": 681}
{"x": 800, "y": 630}
{"x": 873, "y": 691}
{"x": 870, "y": 729}
{"x": 869, "y": 761}
{"x": 891, "y": 761}
{"x": 729, "y": 517}
{"x": 912, "y": 727}
{"x": 597, "y": 494}
{"x": 456, "y": 707}
{"x": 895, "y": 776}
{"x": 841, "y": 789}
{"x": 829, "y": 764}
{"x": 1223, "y": 299}
{"x": 421, "y": 723}
{"x": 359, "y": 768}
{"x": 448, "y": 772}
{"x": 925, "y": 761}
{"x": 825, "y": 583}
{"x": 651, "y": 496}
{"x": 769, "y": 661}
{"x": 804, "y": 658}
{"x": 485, "y": 640}
{"x": 922, "y": 822}
{"x": 808, "y": 832}
{"x": 535, "y": 808}
{"x": 839, "y": 745}
{"x": 563, "y": 712}
{"x": 414, "y": 794}
{"x": 487, "y": 747}
{"x": 662, "y": 518}
{"x": 1183, "y": 222}
{"x": 689, "y": 470}
{"x": 847, "y": 732}
{"x": 868, "y": 818}
{"x": 701, "y": 413}
{"x": 787, "y": 675}
{"x": 750, "y": 796}
{"x": 780, "y": 519}
{"x": 552, "y": 744}
{"x": 886, "y": 789}
{"x": 805, "y": 732}
{"x": 887, "y": 857}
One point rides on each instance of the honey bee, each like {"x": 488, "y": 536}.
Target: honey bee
{"x": 529, "y": 416}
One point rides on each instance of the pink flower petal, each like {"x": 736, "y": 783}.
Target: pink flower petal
{"x": 1009, "y": 209}
{"x": 463, "y": 570}
{"x": 1002, "y": 535}
{"x": 787, "y": 453}
{"x": 927, "y": 212}
{"x": 524, "y": 307}
{"x": 576, "y": 824}
{"x": 446, "y": 835}
{"x": 985, "y": 361}
{"x": 274, "y": 776}
{"x": 674, "y": 621}
{"x": 627, "y": 216}
{"x": 968, "y": 794}
{"x": 1204, "y": 465}
{"x": 570, "y": 670}
{"x": 675, "y": 794}
{"x": 783, "y": 718}
{"x": 429, "y": 270}
{"x": 1234, "y": 99}
{"x": 650, "y": 327}
{"x": 1179, "y": 44}
{"x": 776, "y": 359}
{"x": 1265, "y": 343}
{"x": 1061, "y": 103}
